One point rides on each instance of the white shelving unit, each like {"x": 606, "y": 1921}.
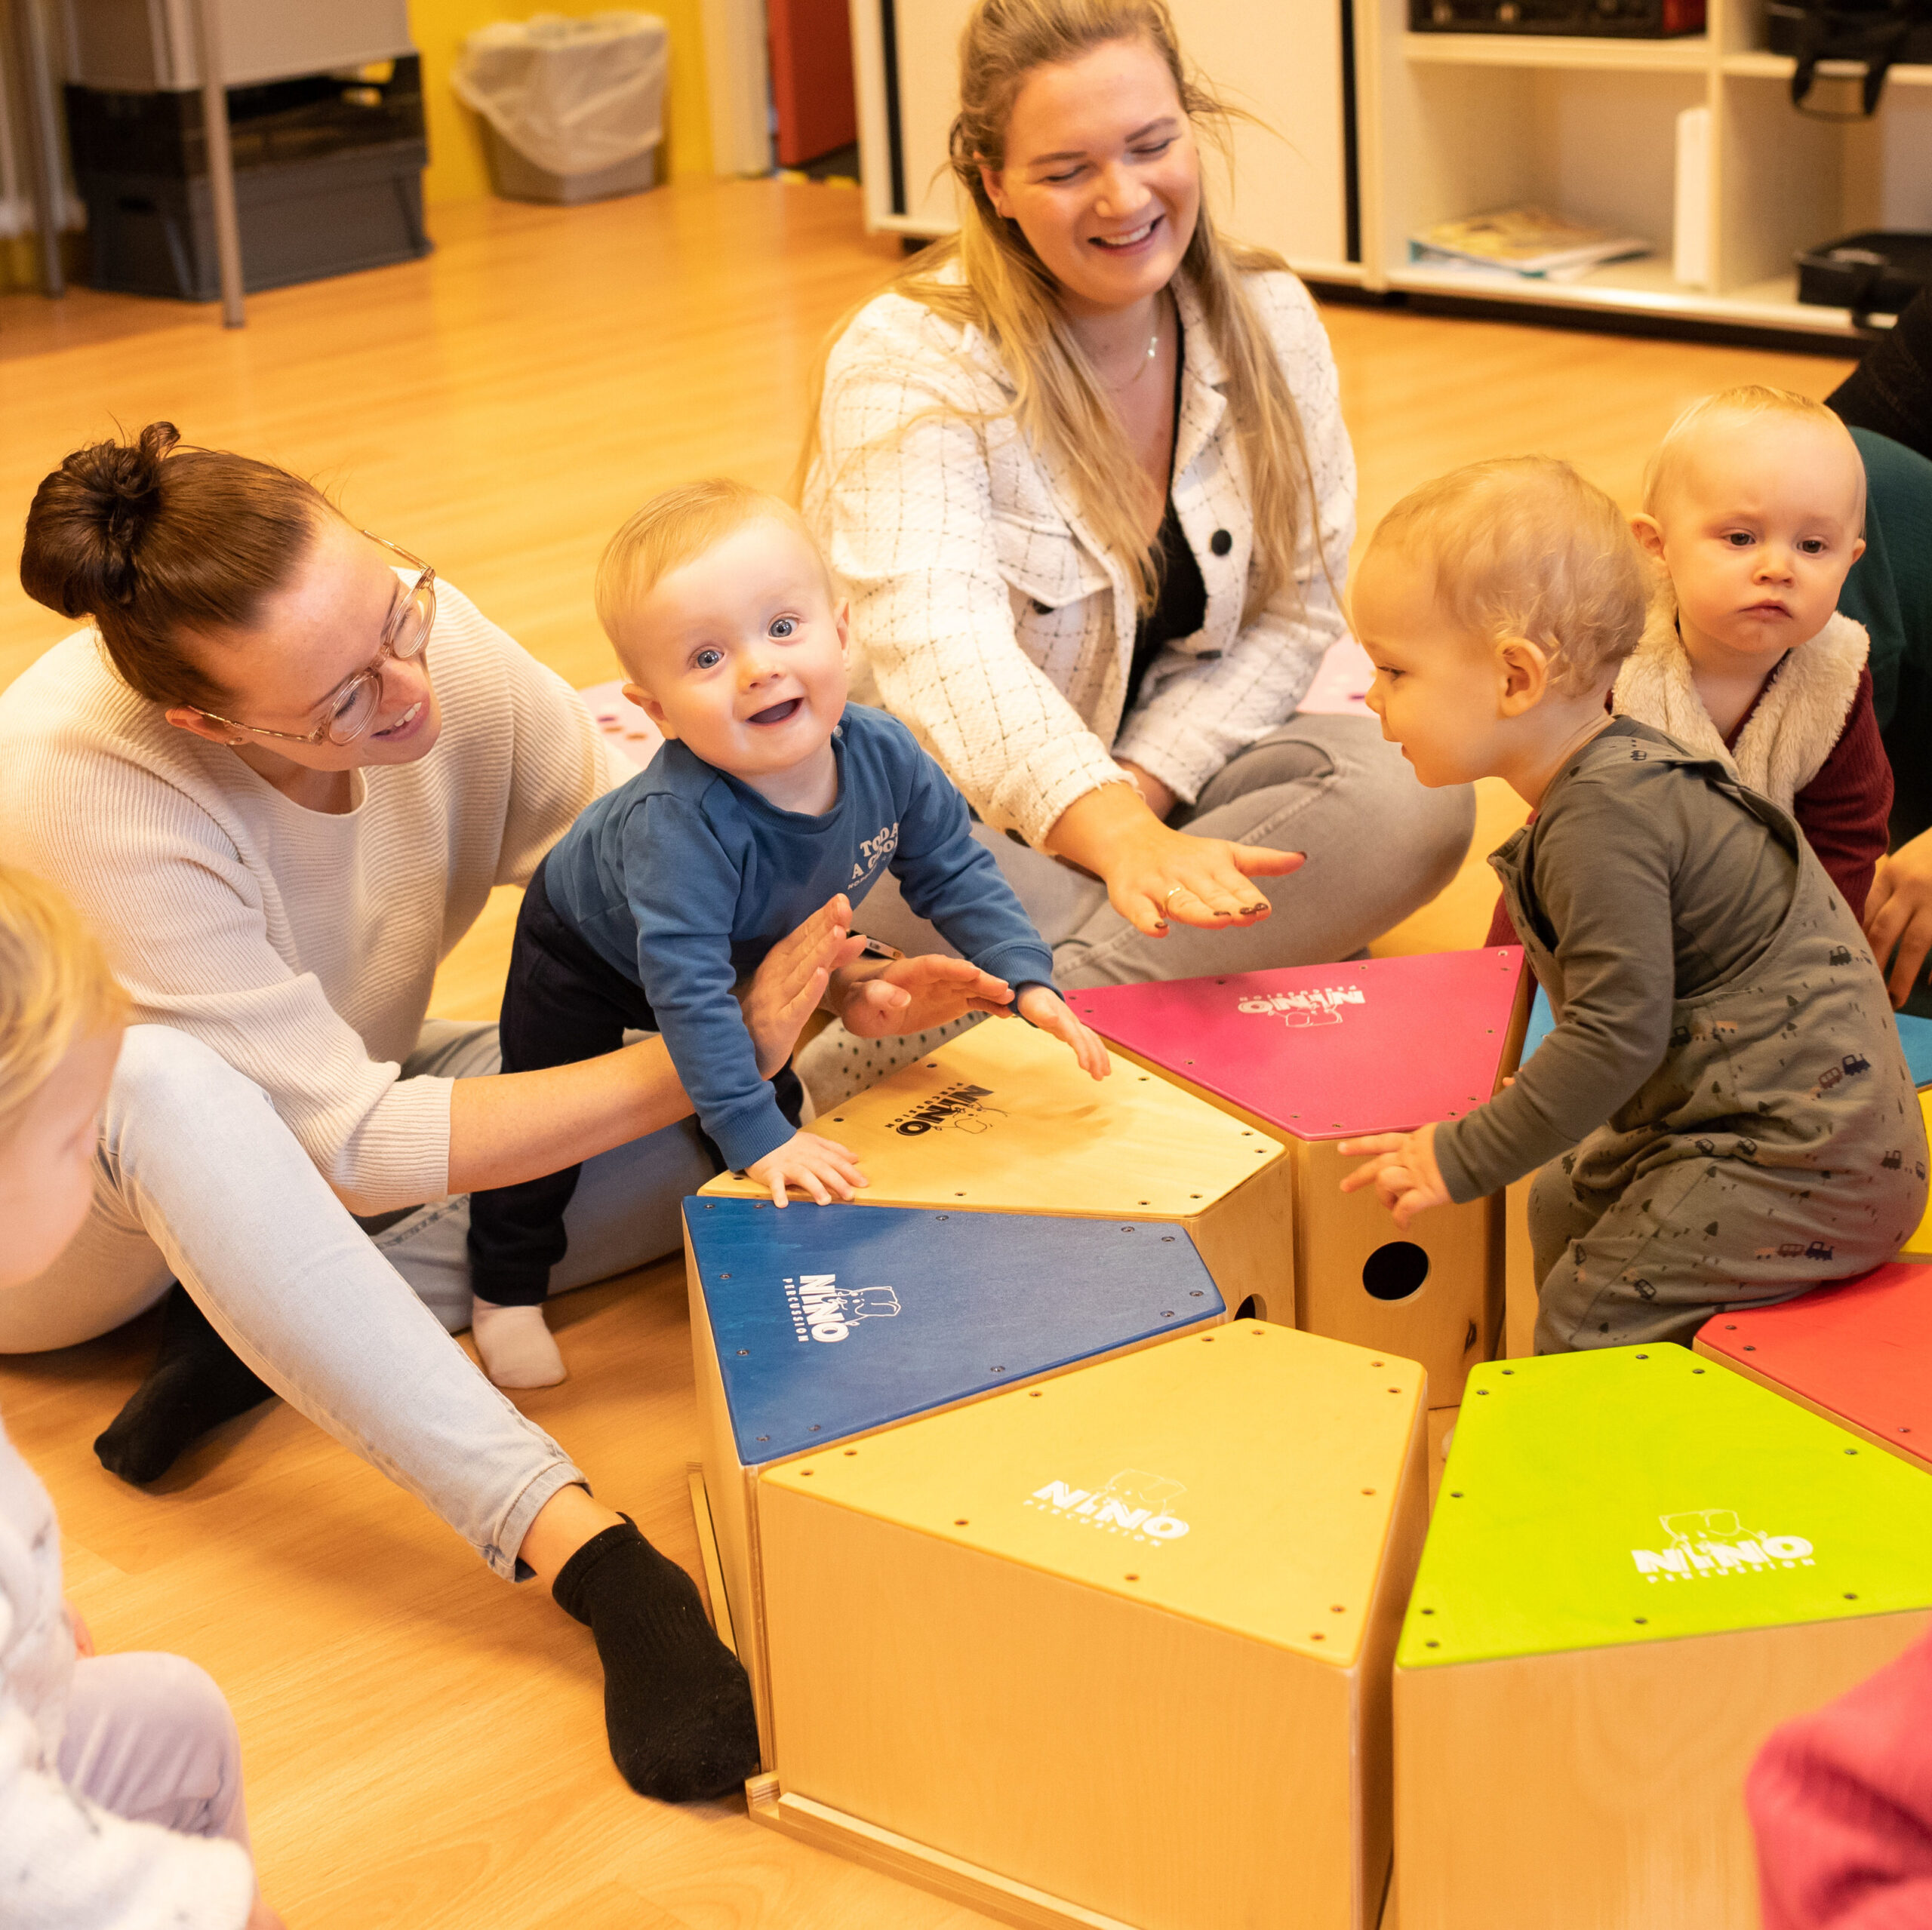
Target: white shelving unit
{"x": 1453, "y": 124}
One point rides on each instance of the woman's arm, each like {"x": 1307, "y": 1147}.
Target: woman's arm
{"x": 519, "y": 1126}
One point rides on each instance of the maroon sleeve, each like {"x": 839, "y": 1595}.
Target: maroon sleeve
{"x": 1841, "y": 1805}
{"x": 1844, "y": 810}
{"x": 1501, "y": 932}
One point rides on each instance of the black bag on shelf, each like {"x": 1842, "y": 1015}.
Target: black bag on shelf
{"x": 1632, "y": 20}
{"x": 1881, "y": 33}
{"x": 1874, "y": 273}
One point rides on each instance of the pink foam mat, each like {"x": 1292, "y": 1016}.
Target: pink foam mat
{"x": 1375, "y": 1045}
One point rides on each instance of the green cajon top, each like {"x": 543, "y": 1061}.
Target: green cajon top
{"x": 1640, "y": 1565}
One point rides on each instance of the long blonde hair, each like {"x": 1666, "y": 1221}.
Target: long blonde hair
{"x": 56, "y": 989}
{"x": 1061, "y": 405}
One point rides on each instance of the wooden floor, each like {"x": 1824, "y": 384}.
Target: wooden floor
{"x": 424, "y": 1744}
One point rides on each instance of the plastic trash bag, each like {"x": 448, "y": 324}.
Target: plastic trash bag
{"x": 572, "y": 95}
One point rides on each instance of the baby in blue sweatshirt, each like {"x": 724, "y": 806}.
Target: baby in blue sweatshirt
{"x": 771, "y": 794}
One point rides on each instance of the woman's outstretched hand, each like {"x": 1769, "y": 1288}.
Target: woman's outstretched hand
{"x": 886, "y": 1000}
{"x": 1156, "y": 876}
{"x": 1898, "y": 915}
{"x": 1401, "y": 1168}
{"x": 786, "y": 987}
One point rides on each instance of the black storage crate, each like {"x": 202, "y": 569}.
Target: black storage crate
{"x": 327, "y": 179}
{"x": 1616, "y": 20}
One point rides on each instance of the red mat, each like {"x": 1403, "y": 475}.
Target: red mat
{"x": 1860, "y": 1352}
{"x": 1375, "y": 1045}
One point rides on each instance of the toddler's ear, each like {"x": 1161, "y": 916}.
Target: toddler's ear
{"x": 1649, "y": 532}
{"x": 841, "y": 618}
{"x": 1522, "y": 672}
{"x": 637, "y": 694}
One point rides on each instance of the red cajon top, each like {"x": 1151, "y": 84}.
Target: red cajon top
{"x": 1860, "y": 1354}
{"x": 1323, "y": 1051}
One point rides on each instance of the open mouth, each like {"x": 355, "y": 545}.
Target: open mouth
{"x": 777, "y": 713}
{"x": 1135, "y": 239}
{"x": 405, "y": 723}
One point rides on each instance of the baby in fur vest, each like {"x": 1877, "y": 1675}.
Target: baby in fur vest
{"x": 1754, "y": 504}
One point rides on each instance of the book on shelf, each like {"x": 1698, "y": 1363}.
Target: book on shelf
{"x": 1522, "y": 242}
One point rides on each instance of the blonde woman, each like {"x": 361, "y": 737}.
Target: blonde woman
{"x": 1082, "y": 472}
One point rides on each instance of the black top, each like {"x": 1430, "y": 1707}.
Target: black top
{"x": 1181, "y": 608}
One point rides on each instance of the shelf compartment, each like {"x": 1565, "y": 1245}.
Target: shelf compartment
{"x": 1690, "y": 54}
{"x": 1758, "y": 64}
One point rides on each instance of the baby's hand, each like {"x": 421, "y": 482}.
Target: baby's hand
{"x": 1051, "y": 1013}
{"x": 1403, "y": 1171}
{"x": 811, "y": 1163}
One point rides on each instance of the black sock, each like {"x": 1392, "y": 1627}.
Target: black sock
{"x": 196, "y": 1383}
{"x": 676, "y": 1702}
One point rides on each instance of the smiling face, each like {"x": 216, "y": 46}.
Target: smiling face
{"x": 46, "y": 1159}
{"x": 1102, "y": 175}
{"x": 742, "y": 654}
{"x": 1436, "y": 687}
{"x": 309, "y": 638}
{"x": 1758, "y": 523}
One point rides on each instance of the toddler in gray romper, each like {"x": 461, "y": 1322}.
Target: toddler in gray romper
{"x": 1724, "y": 1063}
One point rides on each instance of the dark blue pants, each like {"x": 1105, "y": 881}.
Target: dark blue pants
{"x": 562, "y": 1004}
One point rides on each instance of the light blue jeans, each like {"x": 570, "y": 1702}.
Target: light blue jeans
{"x": 197, "y": 1179}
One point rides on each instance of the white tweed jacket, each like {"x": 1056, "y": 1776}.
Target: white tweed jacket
{"x": 988, "y": 616}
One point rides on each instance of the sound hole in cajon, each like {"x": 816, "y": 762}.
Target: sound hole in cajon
{"x": 1253, "y": 1308}
{"x": 1394, "y": 1271}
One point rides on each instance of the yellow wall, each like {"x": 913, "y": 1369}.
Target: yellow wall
{"x": 457, "y": 170}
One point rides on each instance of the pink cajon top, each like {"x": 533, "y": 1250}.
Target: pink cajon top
{"x": 1323, "y": 1051}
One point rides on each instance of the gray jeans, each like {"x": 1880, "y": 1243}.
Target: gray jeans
{"x": 197, "y": 1179}
{"x": 1379, "y": 845}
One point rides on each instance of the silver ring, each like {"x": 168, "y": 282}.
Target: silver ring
{"x": 1167, "y": 902}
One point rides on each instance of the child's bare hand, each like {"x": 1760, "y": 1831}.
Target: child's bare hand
{"x": 1401, "y": 1168}
{"x": 1051, "y": 1013}
{"x": 819, "y": 1167}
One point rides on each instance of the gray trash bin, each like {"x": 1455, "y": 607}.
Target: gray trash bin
{"x": 573, "y": 110}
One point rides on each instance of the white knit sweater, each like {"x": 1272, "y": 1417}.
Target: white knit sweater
{"x": 66, "y": 1864}
{"x": 992, "y": 620}
{"x": 300, "y": 946}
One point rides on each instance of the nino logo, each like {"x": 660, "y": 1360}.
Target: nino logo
{"x": 873, "y": 851}
{"x": 1707, "y": 1542}
{"x": 1136, "y": 1504}
{"x": 962, "y": 1106}
{"x": 1315, "y": 1008}
{"x": 822, "y": 1310}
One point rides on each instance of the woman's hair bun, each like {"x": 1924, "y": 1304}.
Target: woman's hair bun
{"x": 88, "y": 518}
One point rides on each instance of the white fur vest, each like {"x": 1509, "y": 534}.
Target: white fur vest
{"x": 1800, "y": 714}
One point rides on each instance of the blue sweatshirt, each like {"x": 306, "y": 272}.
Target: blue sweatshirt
{"x": 684, "y": 879}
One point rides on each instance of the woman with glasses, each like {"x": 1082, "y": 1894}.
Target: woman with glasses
{"x": 280, "y": 771}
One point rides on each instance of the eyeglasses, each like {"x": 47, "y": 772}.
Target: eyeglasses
{"x": 350, "y": 708}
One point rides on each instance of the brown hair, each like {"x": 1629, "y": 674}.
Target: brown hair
{"x": 152, "y": 540}
{"x": 1007, "y": 292}
{"x": 673, "y": 529}
{"x": 55, "y": 988}
{"x": 1523, "y": 546}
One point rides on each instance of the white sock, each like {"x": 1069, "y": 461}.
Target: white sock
{"x": 516, "y": 1347}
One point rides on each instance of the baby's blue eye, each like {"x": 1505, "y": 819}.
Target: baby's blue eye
{"x": 783, "y": 627}
{"x": 707, "y": 659}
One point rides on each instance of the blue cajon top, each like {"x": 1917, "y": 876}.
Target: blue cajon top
{"x": 817, "y": 1324}
{"x": 1640, "y": 1564}
{"x": 1317, "y": 1054}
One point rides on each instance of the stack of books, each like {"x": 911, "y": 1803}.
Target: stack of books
{"x": 1521, "y": 243}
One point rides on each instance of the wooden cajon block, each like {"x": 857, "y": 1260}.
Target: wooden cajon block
{"x": 1112, "y": 1650}
{"x": 1322, "y": 1053}
{"x": 1919, "y": 1246}
{"x": 819, "y": 1324}
{"x": 1003, "y": 1120}
{"x": 1860, "y": 1354}
{"x": 1639, "y": 1566}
